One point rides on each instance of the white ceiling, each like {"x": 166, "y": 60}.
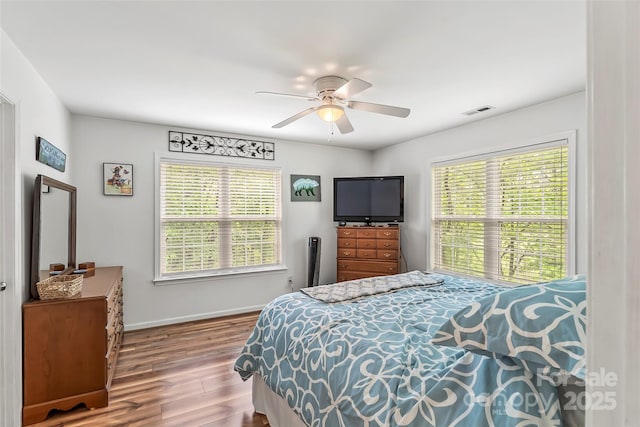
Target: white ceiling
{"x": 198, "y": 64}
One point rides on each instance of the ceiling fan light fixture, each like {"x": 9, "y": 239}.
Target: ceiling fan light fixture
{"x": 330, "y": 113}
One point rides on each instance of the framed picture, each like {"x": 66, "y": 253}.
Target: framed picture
{"x": 117, "y": 179}
{"x": 305, "y": 188}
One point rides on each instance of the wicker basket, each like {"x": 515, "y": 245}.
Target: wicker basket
{"x": 56, "y": 287}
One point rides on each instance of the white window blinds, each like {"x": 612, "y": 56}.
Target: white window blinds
{"x": 504, "y": 216}
{"x": 215, "y": 218}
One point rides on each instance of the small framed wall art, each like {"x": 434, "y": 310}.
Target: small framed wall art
{"x": 305, "y": 188}
{"x": 117, "y": 179}
{"x": 50, "y": 155}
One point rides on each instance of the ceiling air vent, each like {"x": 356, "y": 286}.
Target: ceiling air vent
{"x": 478, "y": 110}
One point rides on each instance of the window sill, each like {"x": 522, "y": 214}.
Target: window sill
{"x": 226, "y": 274}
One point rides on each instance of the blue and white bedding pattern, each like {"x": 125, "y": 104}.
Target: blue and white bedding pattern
{"x": 370, "y": 362}
{"x": 542, "y": 326}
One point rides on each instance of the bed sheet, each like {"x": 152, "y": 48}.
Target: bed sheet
{"x": 370, "y": 362}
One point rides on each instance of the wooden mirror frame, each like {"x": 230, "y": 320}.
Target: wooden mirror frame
{"x": 42, "y": 180}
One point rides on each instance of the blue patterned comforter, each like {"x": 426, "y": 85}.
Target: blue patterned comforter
{"x": 370, "y": 362}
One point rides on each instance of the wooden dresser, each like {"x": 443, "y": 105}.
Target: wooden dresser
{"x": 367, "y": 251}
{"x": 70, "y": 347}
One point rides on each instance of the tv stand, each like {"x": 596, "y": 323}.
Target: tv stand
{"x": 366, "y": 251}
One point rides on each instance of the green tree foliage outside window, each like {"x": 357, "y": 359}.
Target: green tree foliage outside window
{"x": 215, "y": 218}
{"x": 503, "y": 217}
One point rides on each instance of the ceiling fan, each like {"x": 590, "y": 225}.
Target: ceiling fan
{"x": 334, "y": 93}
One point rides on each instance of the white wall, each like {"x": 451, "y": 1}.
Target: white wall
{"x": 38, "y": 112}
{"x": 412, "y": 159}
{"x": 118, "y": 230}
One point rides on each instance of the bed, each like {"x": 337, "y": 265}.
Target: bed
{"x": 418, "y": 349}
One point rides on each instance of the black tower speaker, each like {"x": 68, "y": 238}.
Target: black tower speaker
{"x": 313, "y": 269}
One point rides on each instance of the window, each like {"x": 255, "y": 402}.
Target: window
{"x": 216, "y": 219}
{"x": 504, "y": 216}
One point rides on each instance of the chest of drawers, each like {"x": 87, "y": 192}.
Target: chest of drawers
{"x": 367, "y": 251}
{"x": 70, "y": 347}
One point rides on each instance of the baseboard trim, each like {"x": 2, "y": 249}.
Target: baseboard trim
{"x": 182, "y": 319}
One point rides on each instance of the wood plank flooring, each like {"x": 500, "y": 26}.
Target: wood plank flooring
{"x": 177, "y": 375}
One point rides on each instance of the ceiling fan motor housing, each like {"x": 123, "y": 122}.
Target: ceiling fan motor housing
{"x": 325, "y": 86}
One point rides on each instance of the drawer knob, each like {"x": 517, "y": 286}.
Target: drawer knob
{"x": 347, "y": 253}
{"x": 387, "y": 254}
{"x": 387, "y": 245}
{"x": 346, "y": 233}
{"x": 390, "y": 268}
{"x": 343, "y": 265}
{"x": 386, "y": 233}
{"x": 347, "y": 244}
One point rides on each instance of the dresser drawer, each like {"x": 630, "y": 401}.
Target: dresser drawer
{"x": 372, "y": 266}
{"x": 114, "y": 296}
{"x": 110, "y": 364}
{"x": 366, "y": 243}
{"x": 111, "y": 328}
{"x": 114, "y": 312}
{"x": 346, "y": 243}
{"x": 387, "y": 254}
{"x": 366, "y": 253}
{"x": 346, "y": 232}
{"x": 346, "y": 253}
{"x": 366, "y": 233}
{"x": 343, "y": 276}
{"x": 387, "y": 234}
{"x": 386, "y": 244}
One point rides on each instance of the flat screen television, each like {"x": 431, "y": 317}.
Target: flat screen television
{"x": 368, "y": 199}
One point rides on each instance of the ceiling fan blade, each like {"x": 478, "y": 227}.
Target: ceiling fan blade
{"x": 290, "y": 95}
{"x": 344, "y": 125}
{"x": 379, "y": 108}
{"x": 293, "y": 118}
{"x": 350, "y": 88}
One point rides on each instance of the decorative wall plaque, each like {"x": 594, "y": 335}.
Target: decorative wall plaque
{"x": 220, "y": 146}
{"x": 50, "y": 155}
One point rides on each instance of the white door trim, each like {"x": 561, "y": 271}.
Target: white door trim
{"x": 11, "y": 270}
{"x": 613, "y": 297}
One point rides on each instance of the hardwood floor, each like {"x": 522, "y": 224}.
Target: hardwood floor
{"x": 177, "y": 375}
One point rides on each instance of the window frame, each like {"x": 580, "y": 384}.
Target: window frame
{"x": 174, "y": 278}
{"x": 567, "y": 138}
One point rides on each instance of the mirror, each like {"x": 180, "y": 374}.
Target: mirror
{"x": 53, "y": 232}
